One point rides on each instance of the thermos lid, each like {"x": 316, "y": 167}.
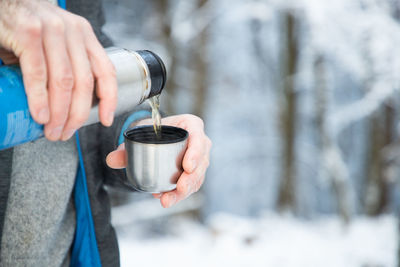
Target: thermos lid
{"x": 158, "y": 73}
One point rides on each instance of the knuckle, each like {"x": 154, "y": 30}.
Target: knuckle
{"x": 34, "y": 28}
{"x": 87, "y": 83}
{"x": 108, "y": 70}
{"x": 38, "y": 93}
{"x": 74, "y": 23}
{"x": 77, "y": 119}
{"x": 80, "y": 23}
{"x": 109, "y": 97}
{"x": 58, "y": 117}
{"x": 66, "y": 82}
{"x": 57, "y": 24}
{"x": 85, "y": 23}
{"x": 197, "y": 119}
{"x": 182, "y": 188}
{"x": 37, "y": 74}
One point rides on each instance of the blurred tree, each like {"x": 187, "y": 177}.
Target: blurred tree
{"x": 332, "y": 164}
{"x": 199, "y": 52}
{"x": 395, "y": 4}
{"x": 376, "y": 194}
{"x": 381, "y": 135}
{"x": 163, "y": 10}
{"x": 289, "y": 59}
{"x": 396, "y": 15}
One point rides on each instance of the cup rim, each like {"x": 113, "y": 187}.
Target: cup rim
{"x": 177, "y": 140}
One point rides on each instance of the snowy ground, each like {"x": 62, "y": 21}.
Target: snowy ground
{"x": 272, "y": 240}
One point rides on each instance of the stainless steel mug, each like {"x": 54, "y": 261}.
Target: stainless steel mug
{"x": 155, "y": 164}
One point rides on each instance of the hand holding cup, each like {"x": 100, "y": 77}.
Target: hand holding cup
{"x": 195, "y": 160}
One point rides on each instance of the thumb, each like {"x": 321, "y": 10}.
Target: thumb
{"x": 116, "y": 159}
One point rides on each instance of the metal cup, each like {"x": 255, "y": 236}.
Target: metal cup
{"x": 154, "y": 165}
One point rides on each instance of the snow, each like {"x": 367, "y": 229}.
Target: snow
{"x": 271, "y": 240}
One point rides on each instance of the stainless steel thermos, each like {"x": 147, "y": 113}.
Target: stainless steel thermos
{"x": 140, "y": 75}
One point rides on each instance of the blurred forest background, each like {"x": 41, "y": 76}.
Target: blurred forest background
{"x": 301, "y": 100}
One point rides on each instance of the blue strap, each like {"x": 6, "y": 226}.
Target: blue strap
{"x": 62, "y": 4}
{"x": 84, "y": 252}
{"x": 138, "y": 115}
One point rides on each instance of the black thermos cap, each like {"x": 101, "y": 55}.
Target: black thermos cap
{"x": 158, "y": 73}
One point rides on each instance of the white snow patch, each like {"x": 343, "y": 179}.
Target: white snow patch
{"x": 272, "y": 240}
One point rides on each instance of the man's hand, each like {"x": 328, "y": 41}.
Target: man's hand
{"x": 195, "y": 161}
{"x": 60, "y": 59}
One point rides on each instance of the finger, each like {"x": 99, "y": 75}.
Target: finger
{"x": 187, "y": 184}
{"x": 117, "y": 159}
{"x": 192, "y": 182}
{"x": 61, "y": 79}
{"x": 82, "y": 92}
{"x": 197, "y": 141}
{"x": 158, "y": 196}
{"x": 34, "y": 70}
{"x": 106, "y": 82}
{"x": 196, "y": 150}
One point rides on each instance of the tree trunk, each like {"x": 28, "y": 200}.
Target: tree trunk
{"x": 200, "y": 80}
{"x": 396, "y": 14}
{"x": 381, "y": 125}
{"x": 171, "y": 85}
{"x": 286, "y": 197}
{"x": 381, "y": 135}
{"x": 326, "y": 143}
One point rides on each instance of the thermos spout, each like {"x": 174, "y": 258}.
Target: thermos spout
{"x": 158, "y": 73}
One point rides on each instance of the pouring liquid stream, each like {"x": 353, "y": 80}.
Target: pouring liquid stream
{"x": 155, "y": 114}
